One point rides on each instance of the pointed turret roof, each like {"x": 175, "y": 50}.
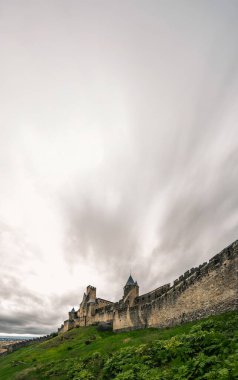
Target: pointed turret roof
{"x": 130, "y": 281}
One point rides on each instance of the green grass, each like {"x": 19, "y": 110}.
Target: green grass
{"x": 206, "y": 349}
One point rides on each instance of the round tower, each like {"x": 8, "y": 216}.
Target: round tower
{"x": 131, "y": 291}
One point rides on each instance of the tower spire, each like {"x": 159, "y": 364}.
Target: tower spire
{"x": 130, "y": 281}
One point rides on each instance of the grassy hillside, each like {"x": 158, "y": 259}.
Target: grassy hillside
{"x": 207, "y": 349}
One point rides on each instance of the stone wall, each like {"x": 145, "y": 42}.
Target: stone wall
{"x": 208, "y": 289}
{"x": 26, "y": 342}
{"x": 151, "y": 296}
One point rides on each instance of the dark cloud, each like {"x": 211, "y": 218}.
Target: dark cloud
{"x": 31, "y": 313}
{"x": 26, "y": 324}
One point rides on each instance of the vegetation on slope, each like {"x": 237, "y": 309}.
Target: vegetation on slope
{"x": 207, "y": 349}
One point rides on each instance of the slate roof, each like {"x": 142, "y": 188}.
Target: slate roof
{"x": 130, "y": 281}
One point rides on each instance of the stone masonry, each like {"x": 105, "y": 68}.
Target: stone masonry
{"x": 211, "y": 288}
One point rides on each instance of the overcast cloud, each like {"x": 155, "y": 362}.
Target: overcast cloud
{"x": 118, "y": 148}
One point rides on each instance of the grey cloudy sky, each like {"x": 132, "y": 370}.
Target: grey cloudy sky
{"x": 118, "y": 148}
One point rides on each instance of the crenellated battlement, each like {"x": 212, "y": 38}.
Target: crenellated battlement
{"x": 151, "y": 296}
{"x": 210, "y": 288}
{"x": 191, "y": 275}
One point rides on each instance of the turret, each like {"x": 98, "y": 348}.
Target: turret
{"x": 91, "y": 293}
{"x": 72, "y": 314}
{"x": 131, "y": 291}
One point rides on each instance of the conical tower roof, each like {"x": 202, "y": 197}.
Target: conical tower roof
{"x": 130, "y": 281}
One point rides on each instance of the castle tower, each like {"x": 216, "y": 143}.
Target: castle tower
{"x": 91, "y": 293}
{"x": 72, "y": 314}
{"x": 131, "y": 291}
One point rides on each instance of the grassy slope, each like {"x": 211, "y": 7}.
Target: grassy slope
{"x": 53, "y": 359}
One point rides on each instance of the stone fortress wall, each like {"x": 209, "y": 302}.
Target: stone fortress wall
{"x": 211, "y": 288}
{"x": 13, "y": 346}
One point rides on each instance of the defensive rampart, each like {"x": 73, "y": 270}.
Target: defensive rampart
{"x": 26, "y": 342}
{"x": 208, "y": 289}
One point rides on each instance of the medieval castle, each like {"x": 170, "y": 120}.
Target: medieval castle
{"x": 211, "y": 288}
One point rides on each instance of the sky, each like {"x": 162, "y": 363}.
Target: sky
{"x": 118, "y": 148}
